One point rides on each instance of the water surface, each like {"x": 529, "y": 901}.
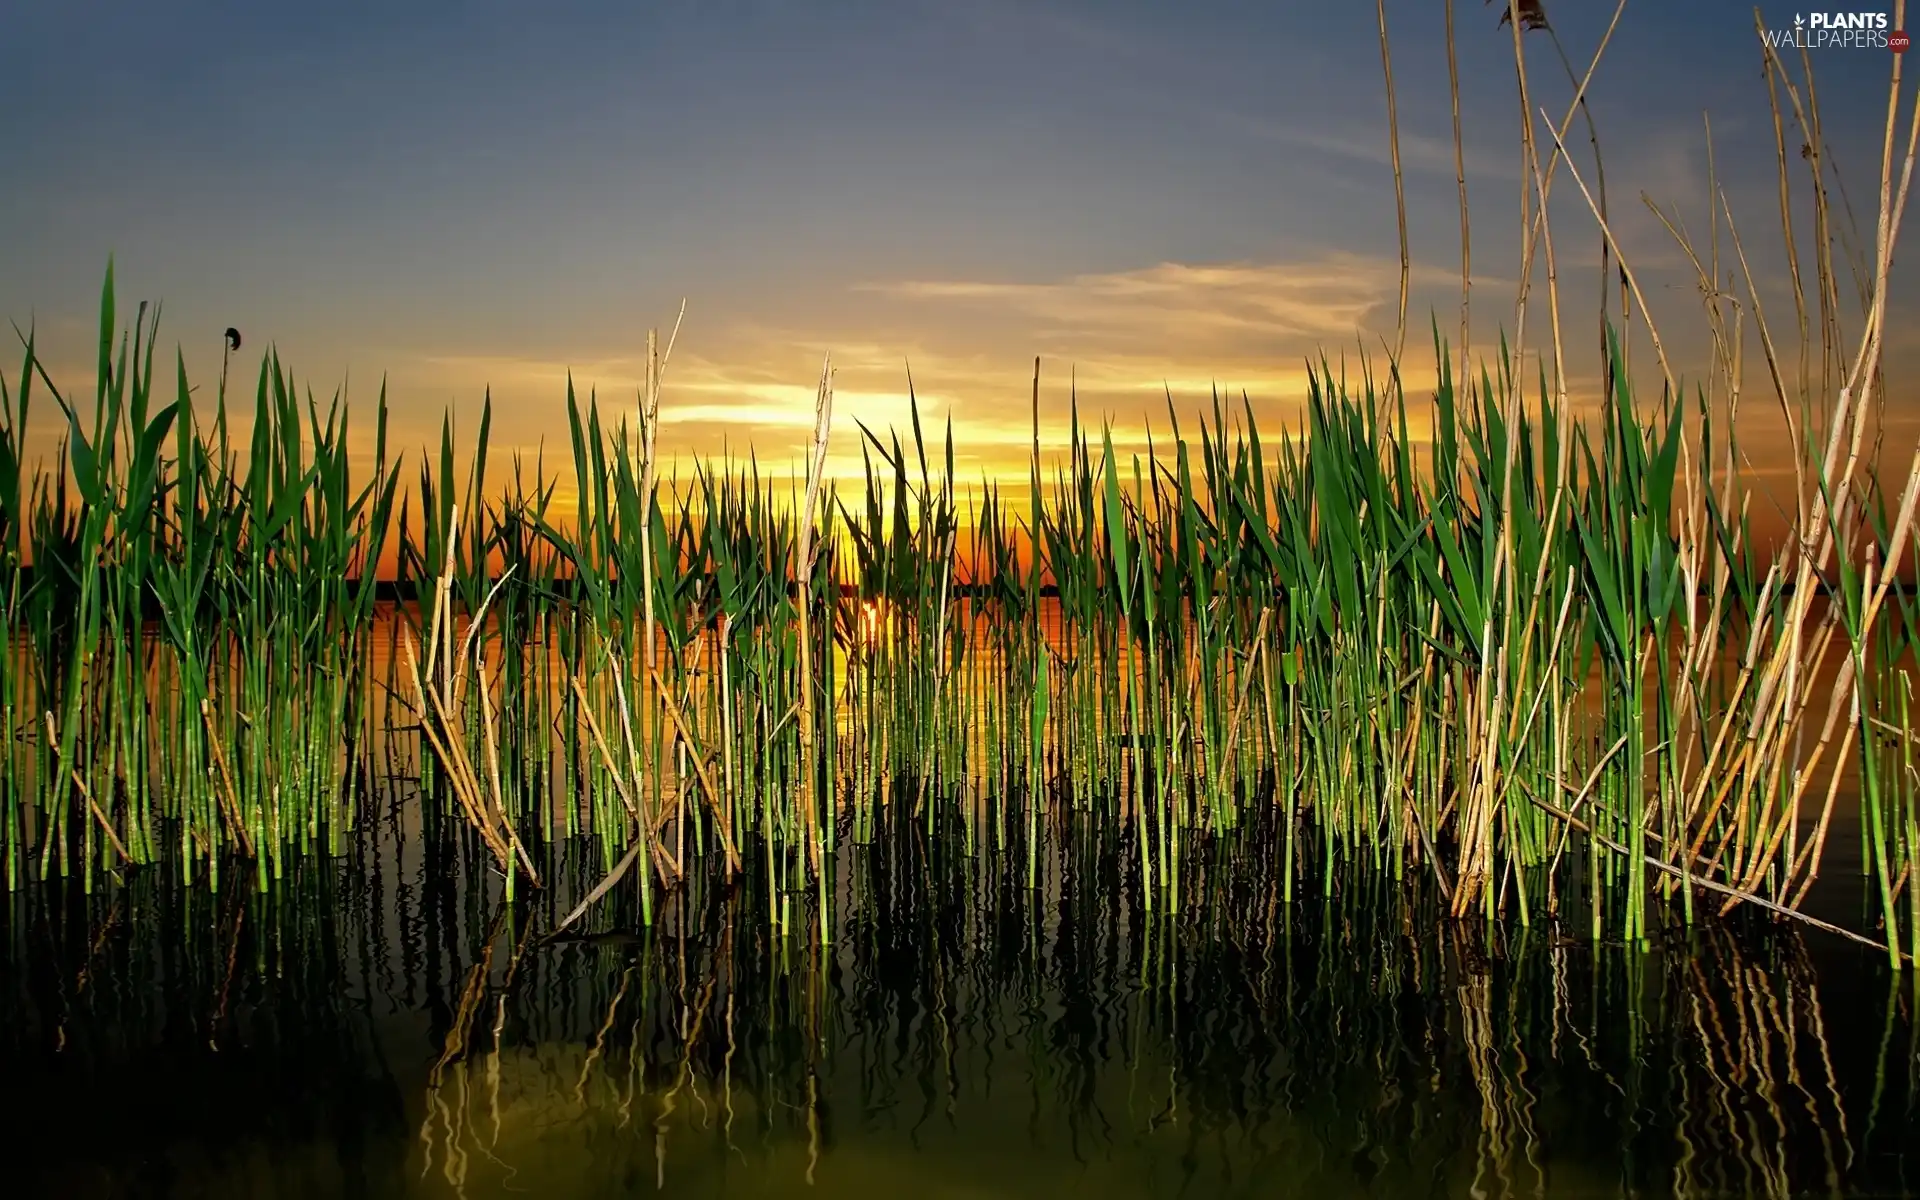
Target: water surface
{"x": 384, "y": 1025}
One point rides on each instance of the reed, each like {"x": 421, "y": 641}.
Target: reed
{"x": 1453, "y": 656}
{"x": 1531, "y": 654}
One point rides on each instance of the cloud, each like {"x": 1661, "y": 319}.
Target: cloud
{"x": 1234, "y": 309}
{"x": 471, "y": 371}
{"x": 1118, "y": 344}
{"x": 1420, "y": 153}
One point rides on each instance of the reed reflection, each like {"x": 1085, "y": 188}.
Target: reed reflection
{"x": 393, "y": 1023}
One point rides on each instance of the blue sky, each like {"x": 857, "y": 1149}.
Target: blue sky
{"x": 457, "y": 196}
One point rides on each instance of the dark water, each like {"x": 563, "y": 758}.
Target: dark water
{"x": 384, "y": 1026}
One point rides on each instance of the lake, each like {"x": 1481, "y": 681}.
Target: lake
{"x": 383, "y": 1025}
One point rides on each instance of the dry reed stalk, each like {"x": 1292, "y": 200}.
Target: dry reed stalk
{"x": 645, "y": 840}
{"x": 633, "y": 751}
{"x": 1517, "y": 18}
{"x": 1521, "y": 17}
{"x": 1729, "y": 776}
{"x": 1540, "y": 229}
{"x": 489, "y": 726}
{"x": 444, "y": 702}
{"x": 803, "y": 567}
{"x": 99, "y": 816}
{"x": 1399, "y": 183}
{"x": 1712, "y": 885}
{"x": 1790, "y": 708}
{"x": 1776, "y": 75}
{"x": 1518, "y": 734}
{"x": 1626, "y": 270}
{"x": 229, "y": 800}
{"x": 1476, "y": 817}
{"x": 1529, "y": 159}
{"x": 1410, "y": 740}
{"x": 1266, "y": 703}
{"x": 649, "y": 428}
{"x": 1766, "y": 726}
{"x": 685, "y": 730}
{"x": 1240, "y": 708}
{"x": 1876, "y": 592}
{"x": 1771, "y": 354}
{"x": 606, "y": 755}
{"x": 1813, "y": 152}
{"x": 1809, "y": 857}
{"x": 459, "y": 771}
{"x": 1823, "y": 524}
{"x": 1477, "y": 813}
{"x": 605, "y": 885}
{"x": 649, "y": 432}
{"x": 1892, "y": 208}
{"x": 1460, "y": 177}
{"x": 1693, "y": 535}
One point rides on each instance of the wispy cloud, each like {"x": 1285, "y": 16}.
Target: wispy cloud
{"x": 1120, "y": 344}
{"x": 1231, "y": 308}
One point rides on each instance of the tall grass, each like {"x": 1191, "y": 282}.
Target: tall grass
{"x": 1536, "y": 658}
{"x": 1529, "y": 652}
{"x": 163, "y": 610}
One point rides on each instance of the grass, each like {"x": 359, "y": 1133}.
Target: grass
{"x": 1532, "y": 656}
{"x": 1529, "y": 654}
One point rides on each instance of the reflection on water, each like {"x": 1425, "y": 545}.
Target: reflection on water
{"x": 383, "y": 1026}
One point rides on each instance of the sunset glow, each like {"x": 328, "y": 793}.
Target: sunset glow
{"x": 1149, "y": 205}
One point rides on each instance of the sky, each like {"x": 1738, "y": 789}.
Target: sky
{"x": 1153, "y": 198}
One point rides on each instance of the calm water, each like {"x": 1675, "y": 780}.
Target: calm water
{"x": 383, "y": 1026}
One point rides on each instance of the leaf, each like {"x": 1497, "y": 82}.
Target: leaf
{"x": 86, "y": 468}
{"x": 1117, "y": 539}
